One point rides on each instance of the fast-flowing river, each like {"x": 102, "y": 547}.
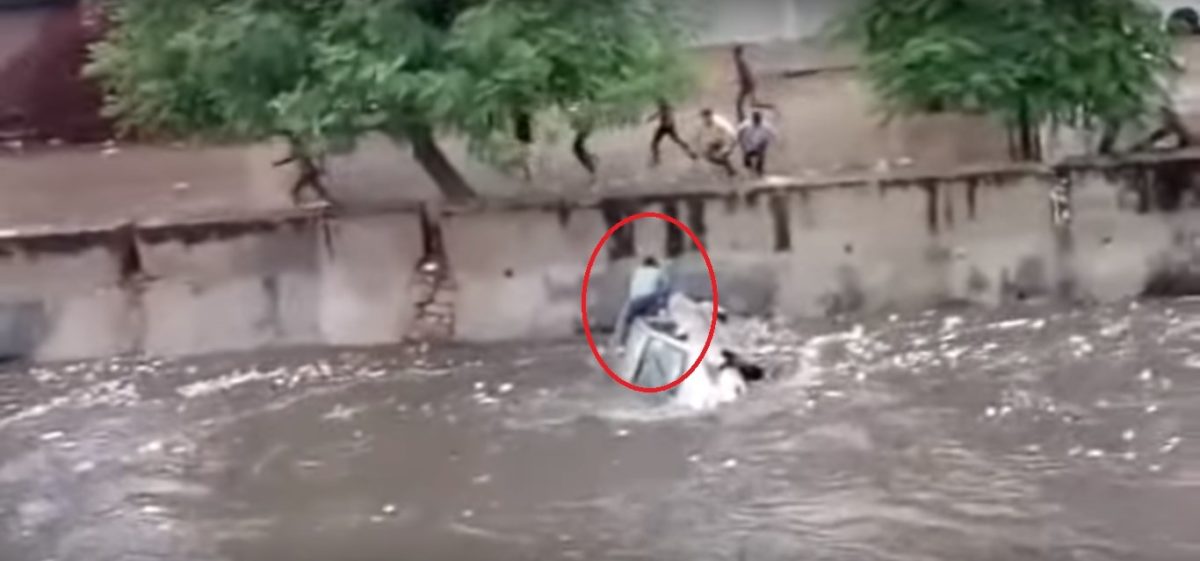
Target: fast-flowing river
{"x": 948, "y": 435}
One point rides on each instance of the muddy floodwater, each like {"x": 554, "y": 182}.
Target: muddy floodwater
{"x": 948, "y": 435}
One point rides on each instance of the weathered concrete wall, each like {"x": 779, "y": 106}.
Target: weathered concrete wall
{"x": 988, "y": 237}
{"x": 209, "y": 286}
{"x": 802, "y": 251}
{"x": 980, "y": 238}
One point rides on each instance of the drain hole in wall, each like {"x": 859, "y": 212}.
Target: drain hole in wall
{"x": 1107, "y": 240}
{"x": 508, "y": 273}
{"x": 849, "y": 249}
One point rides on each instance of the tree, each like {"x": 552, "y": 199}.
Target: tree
{"x": 324, "y": 73}
{"x": 594, "y": 65}
{"x": 1092, "y": 64}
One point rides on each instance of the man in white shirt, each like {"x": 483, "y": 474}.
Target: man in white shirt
{"x": 716, "y": 140}
{"x": 648, "y": 292}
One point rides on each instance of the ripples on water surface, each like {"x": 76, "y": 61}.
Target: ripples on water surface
{"x": 1047, "y": 436}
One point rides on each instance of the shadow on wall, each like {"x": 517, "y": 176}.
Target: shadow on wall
{"x": 23, "y": 326}
{"x": 43, "y": 95}
{"x": 1167, "y": 186}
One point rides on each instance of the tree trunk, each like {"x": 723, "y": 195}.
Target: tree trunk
{"x": 1108, "y": 139}
{"x": 427, "y": 152}
{"x": 1029, "y": 140}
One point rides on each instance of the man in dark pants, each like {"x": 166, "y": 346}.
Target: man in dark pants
{"x": 666, "y": 129}
{"x": 747, "y": 85}
{"x": 312, "y": 172}
{"x": 649, "y": 290}
{"x": 755, "y": 137}
{"x": 583, "y": 123}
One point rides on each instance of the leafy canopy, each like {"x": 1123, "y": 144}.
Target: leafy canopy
{"x": 1078, "y": 62}
{"x": 326, "y": 72}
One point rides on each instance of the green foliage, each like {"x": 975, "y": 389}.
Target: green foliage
{"x": 597, "y": 64}
{"x": 1086, "y": 63}
{"x": 326, "y": 72}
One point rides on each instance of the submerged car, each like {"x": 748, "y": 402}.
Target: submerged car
{"x": 659, "y": 349}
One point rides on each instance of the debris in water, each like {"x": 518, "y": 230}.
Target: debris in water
{"x": 481, "y": 479}
{"x": 1152, "y": 409}
{"x": 951, "y": 322}
{"x": 152, "y": 447}
{"x": 1128, "y": 435}
{"x": 389, "y": 509}
{"x": 1095, "y": 453}
{"x": 341, "y": 413}
{"x": 1155, "y": 468}
{"x": 52, "y": 436}
{"x": 468, "y": 513}
{"x": 730, "y": 463}
{"x": 84, "y": 467}
{"x": 1075, "y": 451}
{"x": 1080, "y": 345}
{"x": 1171, "y": 445}
{"x": 505, "y": 388}
{"x": 990, "y": 412}
{"x": 1129, "y": 456}
{"x": 1146, "y": 375}
{"x": 479, "y": 386}
{"x": 694, "y": 458}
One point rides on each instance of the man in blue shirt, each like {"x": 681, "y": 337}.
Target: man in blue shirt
{"x": 755, "y": 136}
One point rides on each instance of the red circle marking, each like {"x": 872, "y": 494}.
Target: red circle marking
{"x": 587, "y": 276}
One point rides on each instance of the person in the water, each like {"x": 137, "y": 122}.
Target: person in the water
{"x": 727, "y": 374}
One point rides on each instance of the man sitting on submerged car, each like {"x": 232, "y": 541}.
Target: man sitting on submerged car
{"x": 649, "y": 289}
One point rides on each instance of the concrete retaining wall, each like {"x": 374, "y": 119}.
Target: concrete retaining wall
{"x": 856, "y": 246}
